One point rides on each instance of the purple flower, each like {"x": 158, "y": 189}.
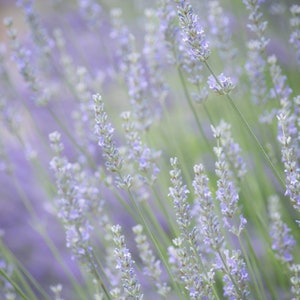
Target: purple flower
{"x": 221, "y": 84}
{"x": 236, "y": 276}
{"x": 295, "y": 25}
{"x": 204, "y": 211}
{"x": 104, "y": 131}
{"x": 193, "y": 34}
{"x": 131, "y": 286}
{"x": 178, "y": 191}
{"x": 282, "y": 241}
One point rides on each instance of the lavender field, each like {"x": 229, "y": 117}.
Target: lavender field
{"x": 149, "y": 149}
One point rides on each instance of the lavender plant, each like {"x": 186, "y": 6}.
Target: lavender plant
{"x": 149, "y": 149}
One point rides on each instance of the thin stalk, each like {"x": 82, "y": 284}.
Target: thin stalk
{"x": 16, "y": 287}
{"x": 227, "y": 271}
{"x": 72, "y": 139}
{"x": 95, "y": 272}
{"x": 268, "y": 283}
{"x": 25, "y": 279}
{"x": 156, "y": 244}
{"x": 250, "y": 131}
{"x": 165, "y": 212}
{"x": 254, "y": 276}
{"x": 192, "y": 108}
{"x": 58, "y": 257}
{"x": 41, "y": 230}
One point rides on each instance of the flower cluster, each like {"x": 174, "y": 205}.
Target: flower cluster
{"x": 130, "y": 283}
{"x": 227, "y": 193}
{"x": 152, "y": 267}
{"x": 71, "y": 205}
{"x": 104, "y": 131}
{"x": 256, "y": 63}
{"x": 205, "y": 212}
{"x": 193, "y": 34}
{"x": 295, "y": 25}
{"x": 221, "y": 84}
{"x": 282, "y": 241}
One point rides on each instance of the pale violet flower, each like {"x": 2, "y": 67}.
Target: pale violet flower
{"x": 221, "y": 84}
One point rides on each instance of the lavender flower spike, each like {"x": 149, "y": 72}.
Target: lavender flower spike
{"x": 227, "y": 192}
{"x": 295, "y": 25}
{"x": 152, "y": 268}
{"x": 222, "y": 85}
{"x": 282, "y": 241}
{"x": 235, "y": 283}
{"x": 179, "y": 192}
{"x": 291, "y": 164}
{"x": 104, "y": 131}
{"x": 207, "y": 219}
{"x": 193, "y": 34}
{"x": 130, "y": 283}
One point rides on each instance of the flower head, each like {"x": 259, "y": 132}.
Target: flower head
{"x": 222, "y": 85}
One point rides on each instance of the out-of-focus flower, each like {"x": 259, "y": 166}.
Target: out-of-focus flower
{"x": 221, "y": 84}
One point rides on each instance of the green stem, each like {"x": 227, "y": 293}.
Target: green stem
{"x": 191, "y": 106}
{"x": 16, "y": 287}
{"x": 250, "y": 131}
{"x": 156, "y": 244}
{"x": 255, "y": 276}
{"x": 72, "y": 139}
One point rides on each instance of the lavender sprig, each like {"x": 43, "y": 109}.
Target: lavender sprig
{"x": 197, "y": 279}
{"x": 21, "y": 56}
{"x": 131, "y": 286}
{"x": 91, "y": 12}
{"x": 72, "y": 206}
{"x": 295, "y": 281}
{"x": 291, "y": 163}
{"x": 179, "y": 193}
{"x": 204, "y": 211}
{"x": 104, "y": 131}
{"x": 295, "y": 25}
{"x": 138, "y": 152}
{"x": 221, "y": 36}
{"x": 194, "y": 35}
{"x": 39, "y": 33}
{"x": 256, "y": 63}
{"x": 152, "y": 267}
{"x": 221, "y": 84}
{"x": 282, "y": 240}
{"x": 227, "y": 192}
{"x": 236, "y": 276}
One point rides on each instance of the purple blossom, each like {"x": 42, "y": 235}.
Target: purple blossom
{"x": 227, "y": 195}
{"x": 204, "y": 211}
{"x": 221, "y": 84}
{"x": 282, "y": 241}
{"x": 104, "y": 131}
{"x": 256, "y": 64}
{"x": 295, "y": 25}
{"x": 231, "y": 149}
{"x": 125, "y": 264}
{"x": 179, "y": 193}
{"x": 291, "y": 162}
{"x": 152, "y": 268}
{"x": 40, "y": 36}
{"x": 193, "y": 34}
{"x": 91, "y": 11}
{"x": 221, "y": 40}
{"x": 236, "y": 277}
{"x": 138, "y": 152}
